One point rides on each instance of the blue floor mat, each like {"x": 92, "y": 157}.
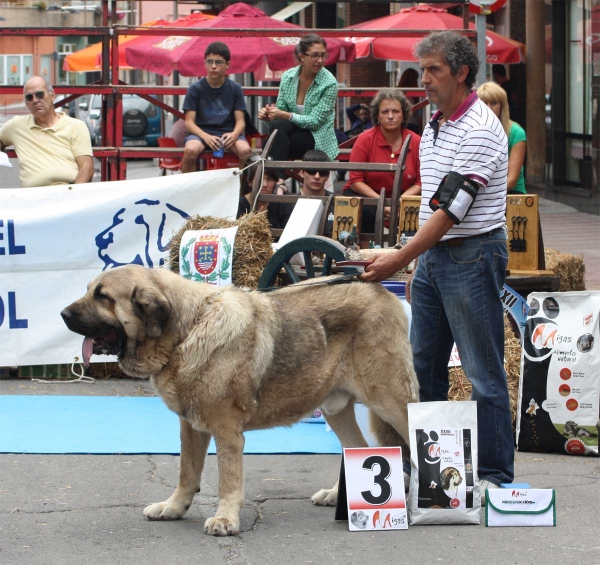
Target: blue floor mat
{"x": 109, "y": 424}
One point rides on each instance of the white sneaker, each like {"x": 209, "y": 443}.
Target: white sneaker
{"x": 482, "y": 486}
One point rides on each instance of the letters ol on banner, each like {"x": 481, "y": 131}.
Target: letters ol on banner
{"x": 207, "y": 255}
{"x": 375, "y": 489}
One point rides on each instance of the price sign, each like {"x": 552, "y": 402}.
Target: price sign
{"x": 375, "y": 489}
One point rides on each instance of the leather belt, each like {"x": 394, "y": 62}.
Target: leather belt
{"x": 454, "y": 242}
{"x": 458, "y": 241}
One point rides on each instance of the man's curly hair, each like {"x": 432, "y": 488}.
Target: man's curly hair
{"x": 456, "y": 50}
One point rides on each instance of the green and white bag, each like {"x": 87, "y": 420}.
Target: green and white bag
{"x": 520, "y": 507}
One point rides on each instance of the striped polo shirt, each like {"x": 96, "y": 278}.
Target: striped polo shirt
{"x": 473, "y": 143}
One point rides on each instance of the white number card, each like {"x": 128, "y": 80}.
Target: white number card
{"x": 375, "y": 489}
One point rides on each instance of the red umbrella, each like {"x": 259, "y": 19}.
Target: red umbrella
{"x": 248, "y": 54}
{"x": 500, "y": 49}
{"x": 89, "y": 59}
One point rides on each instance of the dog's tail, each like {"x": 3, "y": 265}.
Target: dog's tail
{"x": 385, "y": 433}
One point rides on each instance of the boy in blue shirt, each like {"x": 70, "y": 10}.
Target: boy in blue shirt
{"x": 214, "y": 110}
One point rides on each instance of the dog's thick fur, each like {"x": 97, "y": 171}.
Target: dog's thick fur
{"x": 229, "y": 360}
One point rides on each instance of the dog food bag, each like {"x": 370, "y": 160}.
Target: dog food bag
{"x": 559, "y": 388}
{"x": 443, "y": 455}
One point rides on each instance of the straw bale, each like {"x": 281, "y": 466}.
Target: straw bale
{"x": 252, "y": 249}
{"x": 460, "y": 387}
{"x": 570, "y": 268}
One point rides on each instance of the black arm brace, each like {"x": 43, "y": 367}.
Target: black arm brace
{"x": 455, "y": 196}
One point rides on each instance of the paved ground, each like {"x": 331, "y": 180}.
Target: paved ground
{"x": 79, "y": 509}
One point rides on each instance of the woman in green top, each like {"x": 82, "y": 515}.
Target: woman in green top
{"x": 495, "y": 97}
{"x": 305, "y": 109}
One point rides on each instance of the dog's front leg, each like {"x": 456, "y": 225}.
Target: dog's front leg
{"x": 230, "y": 449}
{"x": 194, "y": 445}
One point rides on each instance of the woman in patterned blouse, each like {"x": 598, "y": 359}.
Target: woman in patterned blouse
{"x": 304, "y": 113}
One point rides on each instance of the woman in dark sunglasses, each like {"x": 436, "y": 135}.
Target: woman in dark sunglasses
{"x": 304, "y": 113}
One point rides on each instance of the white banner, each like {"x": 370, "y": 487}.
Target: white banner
{"x": 54, "y": 240}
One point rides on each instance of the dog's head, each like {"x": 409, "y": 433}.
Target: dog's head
{"x": 124, "y": 312}
{"x": 450, "y": 478}
{"x": 139, "y": 234}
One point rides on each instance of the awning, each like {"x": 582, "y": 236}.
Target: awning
{"x": 290, "y": 10}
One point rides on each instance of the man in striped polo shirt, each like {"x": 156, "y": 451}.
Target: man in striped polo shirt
{"x": 461, "y": 248}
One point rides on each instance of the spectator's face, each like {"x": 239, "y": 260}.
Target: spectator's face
{"x": 268, "y": 185}
{"x": 38, "y": 107}
{"x": 313, "y": 182}
{"x": 216, "y": 66}
{"x": 363, "y": 115}
{"x": 495, "y": 107}
{"x": 390, "y": 115}
{"x": 314, "y": 58}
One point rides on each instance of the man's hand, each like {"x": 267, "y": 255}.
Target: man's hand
{"x": 384, "y": 266}
{"x": 212, "y": 141}
{"x": 386, "y": 212}
{"x": 228, "y": 140}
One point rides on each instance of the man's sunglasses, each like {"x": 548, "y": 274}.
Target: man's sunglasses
{"x": 40, "y": 94}
{"x": 312, "y": 172}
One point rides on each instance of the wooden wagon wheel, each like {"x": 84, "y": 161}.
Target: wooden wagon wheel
{"x": 332, "y": 250}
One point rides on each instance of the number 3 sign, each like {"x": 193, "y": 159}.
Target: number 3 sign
{"x": 375, "y": 489}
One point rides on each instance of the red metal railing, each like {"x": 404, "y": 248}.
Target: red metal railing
{"x": 113, "y": 156}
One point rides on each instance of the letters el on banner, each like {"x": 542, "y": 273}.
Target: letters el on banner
{"x": 54, "y": 240}
{"x": 207, "y": 255}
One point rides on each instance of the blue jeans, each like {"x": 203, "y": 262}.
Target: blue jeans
{"x": 455, "y": 297}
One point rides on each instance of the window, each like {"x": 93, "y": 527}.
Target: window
{"x": 15, "y": 69}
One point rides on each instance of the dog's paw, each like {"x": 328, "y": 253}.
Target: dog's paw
{"x": 221, "y": 527}
{"x": 325, "y": 497}
{"x": 163, "y": 511}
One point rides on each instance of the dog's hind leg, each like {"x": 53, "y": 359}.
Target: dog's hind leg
{"x": 194, "y": 445}
{"x": 391, "y": 429}
{"x": 348, "y": 432}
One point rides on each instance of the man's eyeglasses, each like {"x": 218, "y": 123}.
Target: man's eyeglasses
{"x": 217, "y": 62}
{"x": 39, "y": 95}
{"x": 312, "y": 172}
{"x": 314, "y": 56}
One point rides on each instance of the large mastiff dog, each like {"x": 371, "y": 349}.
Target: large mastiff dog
{"x": 229, "y": 360}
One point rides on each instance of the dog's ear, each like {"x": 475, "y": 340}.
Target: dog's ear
{"x": 152, "y": 308}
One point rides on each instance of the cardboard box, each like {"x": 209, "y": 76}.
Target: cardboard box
{"x": 520, "y": 507}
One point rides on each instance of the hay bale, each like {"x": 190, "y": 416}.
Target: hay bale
{"x": 252, "y": 249}
{"x": 570, "y": 268}
{"x": 460, "y": 387}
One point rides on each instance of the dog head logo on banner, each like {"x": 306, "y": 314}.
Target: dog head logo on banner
{"x": 117, "y": 246}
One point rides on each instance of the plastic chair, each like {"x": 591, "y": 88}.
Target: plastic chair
{"x": 168, "y": 163}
